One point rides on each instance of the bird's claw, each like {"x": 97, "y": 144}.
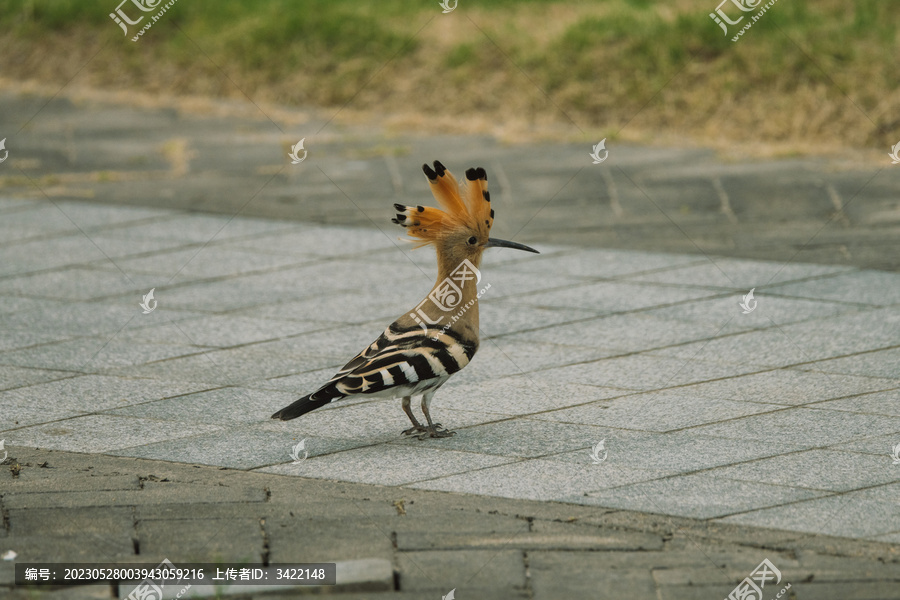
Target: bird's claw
{"x": 416, "y": 431}
{"x": 436, "y": 431}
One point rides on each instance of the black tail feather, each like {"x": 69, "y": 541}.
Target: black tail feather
{"x": 299, "y": 408}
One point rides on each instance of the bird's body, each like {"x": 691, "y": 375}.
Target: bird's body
{"x": 419, "y": 351}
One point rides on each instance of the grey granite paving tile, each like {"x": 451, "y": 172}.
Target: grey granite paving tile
{"x": 600, "y": 263}
{"x": 674, "y": 452}
{"x": 773, "y": 348}
{"x": 202, "y": 263}
{"x": 34, "y": 220}
{"x": 245, "y": 448}
{"x": 496, "y": 358}
{"x": 879, "y": 445}
{"x": 879, "y": 403}
{"x": 884, "y": 363}
{"x": 739, "y": 274}
{"x": 91, "y": 318}
{"x": 8, "y": 204}
{"x": 94, "y": 353}
{"x": 232, "y": 366}
{"x": 889, "y": 492}
{"x": 866, "y": 322}
{"x": 769, "y": 311}
{"x": 792, "y": 387}
{"x": 79, "y": 284}
{"x": 99, "y": 215}
{"x": 502, "y": 317}
{"x": 517, "y": 395}
{"x": 538, "y": 479}
{"x": 854, "y": 514}
{"x": 519, "y": 438}
{"x": 699, "y": 496}
{"x": 816, "y": 469}
{"x": 645, "y": 372}
{"x": 102, "y": 433}
{"x": 15, "y": 377}
{"x": 118, "y": 248}
{"x": 387, "y": 464}
{"x": 14, "y": 304}
{"x": 202, "y": 229}
{"x": 247, "y": 291}
{"x": 19, "y": 412}
{"x": 326, "y": 241}
{"x": 219, "y": 331}
{"x": 39, "y": 255}
{"x": 624, "y": 333}
{"x": 84, "y": 394}
{"x": 804, "y": 426}
{"x": 656, "y": 411}
{"x": 343, "y": 308}
{"x": 605, "y": 297}
{"x": 877, "y": 288}
{"x": 223, "y": 406}
{"x": 12, "y": 339}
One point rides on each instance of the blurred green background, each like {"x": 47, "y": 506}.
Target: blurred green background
{"x": 809, "y": 76}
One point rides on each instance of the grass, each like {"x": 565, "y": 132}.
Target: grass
{"x": 808, "y": 74}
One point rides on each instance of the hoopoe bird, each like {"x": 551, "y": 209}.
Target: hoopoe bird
{"x": 419, "y": 352}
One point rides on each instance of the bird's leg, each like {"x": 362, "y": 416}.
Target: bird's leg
{"x": 417, "y": 427}
{"x": 435, "y": 430}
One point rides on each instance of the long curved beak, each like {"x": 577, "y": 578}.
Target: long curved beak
{"x": 495, "y": 243}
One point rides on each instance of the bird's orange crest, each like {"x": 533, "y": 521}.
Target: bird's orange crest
{"x": 467, "y": 211}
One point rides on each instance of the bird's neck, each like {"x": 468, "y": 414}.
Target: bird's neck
{"x": 452, "y": 303}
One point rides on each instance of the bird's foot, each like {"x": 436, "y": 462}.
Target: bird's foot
{"x": 417, "y": 431}
{"x": 437, "y": 431}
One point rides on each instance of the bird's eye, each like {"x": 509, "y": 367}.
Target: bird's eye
{"x": 471, "y": 241}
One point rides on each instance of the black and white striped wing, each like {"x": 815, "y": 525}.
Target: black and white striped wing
{"x": 401, "y": 362}
{"x": 399, "y": 358}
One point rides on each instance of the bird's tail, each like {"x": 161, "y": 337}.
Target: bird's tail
{"x": 299, "y": 408}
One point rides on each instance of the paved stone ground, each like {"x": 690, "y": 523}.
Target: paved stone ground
{"x": 728, "y": 437}
{"x": 781, "y": 418}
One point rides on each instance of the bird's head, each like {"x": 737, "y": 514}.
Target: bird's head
{"x": 462, "y": 229}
